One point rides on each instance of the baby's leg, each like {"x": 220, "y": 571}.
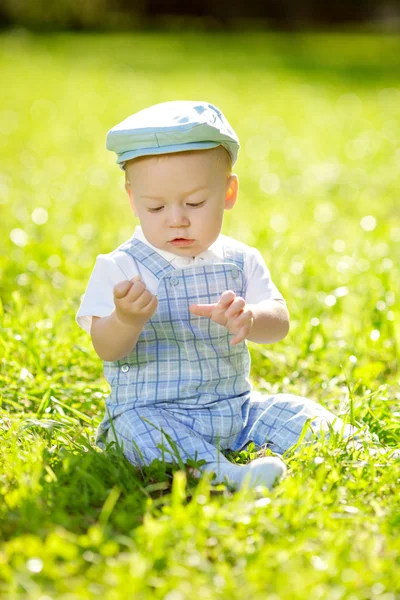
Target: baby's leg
{"x": 148, "y": 434}
{"x": 279, "y": 420}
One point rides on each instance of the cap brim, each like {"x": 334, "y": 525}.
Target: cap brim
{"x": 125, "y": 156}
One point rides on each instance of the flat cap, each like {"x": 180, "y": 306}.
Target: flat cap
{"x": 169, "y": 127}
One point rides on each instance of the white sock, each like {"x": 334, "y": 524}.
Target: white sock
{"x": 261, "y": 471}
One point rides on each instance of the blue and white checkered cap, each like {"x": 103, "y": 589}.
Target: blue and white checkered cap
{"x": 172, "y": 127}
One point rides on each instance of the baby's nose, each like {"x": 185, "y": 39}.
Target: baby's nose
{"x": 177, "y": 218}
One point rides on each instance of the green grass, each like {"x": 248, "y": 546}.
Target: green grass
{"x": 79, "y": 523}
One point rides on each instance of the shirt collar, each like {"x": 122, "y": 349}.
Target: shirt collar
{"x": 208, "y": 255}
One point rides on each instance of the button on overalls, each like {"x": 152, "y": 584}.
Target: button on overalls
{"x": 184, "y": 391}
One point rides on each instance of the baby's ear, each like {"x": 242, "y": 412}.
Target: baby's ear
{"x": 128, "y": 188}
{"x": 232, "y": 190}
{"x": 130, "y": 196}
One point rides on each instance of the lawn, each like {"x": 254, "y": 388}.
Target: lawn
{"x": 318, "y": 116}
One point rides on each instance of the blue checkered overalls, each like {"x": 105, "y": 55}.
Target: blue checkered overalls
{"x": 184, "y": 389}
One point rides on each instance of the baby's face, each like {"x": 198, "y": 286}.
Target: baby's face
{"x": 180, "y": 198}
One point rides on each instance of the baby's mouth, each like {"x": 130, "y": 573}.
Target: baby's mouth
{"x": 181, "y": 242}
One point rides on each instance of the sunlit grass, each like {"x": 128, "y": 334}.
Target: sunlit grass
{"x": 319, "y": 121}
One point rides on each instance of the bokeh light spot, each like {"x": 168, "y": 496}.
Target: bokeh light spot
{"x": 19, "y": 237}
{"x": 375, "y": 335}
{"x": 368, "y": 223}
{"x": 40, "y": 216}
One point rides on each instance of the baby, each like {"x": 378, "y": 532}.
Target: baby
{"x": 170, "y": 310}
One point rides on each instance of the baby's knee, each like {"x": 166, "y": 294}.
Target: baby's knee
{"x": 124, "y": 442}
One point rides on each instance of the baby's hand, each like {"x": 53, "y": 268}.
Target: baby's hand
{"x": 134, "y": 304}
{"x": 231, "y": 312}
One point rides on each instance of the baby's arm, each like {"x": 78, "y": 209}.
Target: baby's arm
{"x": 115, "y": 336}
{"x": 270, "y": 321}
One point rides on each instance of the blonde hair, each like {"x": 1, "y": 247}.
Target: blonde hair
{"x": 223, "y": 159}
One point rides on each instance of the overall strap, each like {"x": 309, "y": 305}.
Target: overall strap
{"x": 234, "y": 254}
{"x": 148, "y": 257}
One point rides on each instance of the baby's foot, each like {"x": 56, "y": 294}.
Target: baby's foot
{"x": 263, "y": 471}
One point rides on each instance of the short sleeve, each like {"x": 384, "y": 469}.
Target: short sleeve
{"x": 98, "y": 299}
{"x": 259, "y": 283}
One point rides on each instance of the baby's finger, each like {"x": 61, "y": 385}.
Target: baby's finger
{"x": 245, "y": 324}
{"x": 151, "y": 307}
{"x": 202, "y": 310}
{"x": 225, "y": 300}
{"x": 235, "y": 308}
{"x": 137, "y": 289}
{"x": 143, "y": 299}
{"x": 121, "y": 289}
{"x": 240, "y": 336}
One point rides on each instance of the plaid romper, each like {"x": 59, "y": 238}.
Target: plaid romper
{"x": 184, "y": 389}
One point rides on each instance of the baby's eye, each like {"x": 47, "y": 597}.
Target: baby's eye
{"x": 155, "y": 209}
{"x": 198, "y": 204}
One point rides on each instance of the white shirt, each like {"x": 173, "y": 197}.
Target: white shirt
{"x": 116, "y": 266}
